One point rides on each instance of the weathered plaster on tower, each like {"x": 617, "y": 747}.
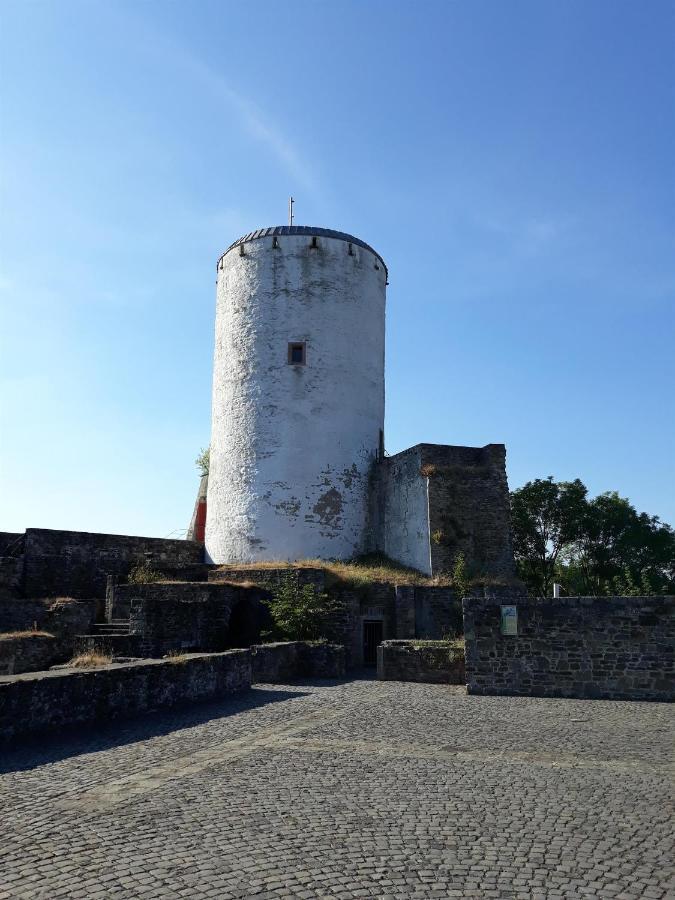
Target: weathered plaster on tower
{"x": 292, "y": 445}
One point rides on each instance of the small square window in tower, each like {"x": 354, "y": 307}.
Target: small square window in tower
{"x": 297, "y": 353}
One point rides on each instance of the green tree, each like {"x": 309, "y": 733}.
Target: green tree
{"x": 547, "y": 518}
{"x": 299, "y": 612}
{"x": 619, "y": 546}
{"x": 592, "y": 547}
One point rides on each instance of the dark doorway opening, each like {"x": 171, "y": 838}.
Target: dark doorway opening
{"x": 372, "y": 636}
{"x": 248, "y": 618}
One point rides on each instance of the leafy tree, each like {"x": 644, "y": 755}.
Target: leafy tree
{"x": 202, "y": 461}
{"x": 547, "y": 519}
{"x": 620, "y": 546}
{"x": 300, "y": 613}
{"x": 594, "y": 547}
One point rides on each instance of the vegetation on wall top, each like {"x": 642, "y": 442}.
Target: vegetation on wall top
{"x": 202, "y": 461}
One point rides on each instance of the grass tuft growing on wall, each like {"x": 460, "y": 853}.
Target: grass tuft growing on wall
{"x": 11, "y": 635}
{"x": 91, "y": 660}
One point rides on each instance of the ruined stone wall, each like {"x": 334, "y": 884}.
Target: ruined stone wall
{"x": 267, "y": 576}
{"x": 11, "y": 543}
{"x": 406, "y": 611}
{"x": 437, "y": 613}
{"x": 611, "y": 647}
{"x": 31, "y": 653}
{"x": 292, "y": 444}
{"x": 176, "y": 616}
{"x": 62, "y": 617}
{"x": 432, "y": 502}
{"x": 11, "y": 577}
{"x": 431, "y": 662}
{"x": 44, "y": 701}
{"x": 469, "y": 509}
{"x": 280, "y": 662}
{"x": 76, "y": 563}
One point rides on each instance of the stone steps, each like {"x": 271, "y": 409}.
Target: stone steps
{"x": 109, "y": 644}
{"x": 114, "y": 627}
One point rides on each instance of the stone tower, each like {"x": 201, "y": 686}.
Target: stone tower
{"x": 298, "y": 395}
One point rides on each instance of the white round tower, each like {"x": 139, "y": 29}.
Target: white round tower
{"x": 298, "y": 395}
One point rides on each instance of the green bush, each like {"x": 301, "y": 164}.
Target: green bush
{"x": 299, "y": 612}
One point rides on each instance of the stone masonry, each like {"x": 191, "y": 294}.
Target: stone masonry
{"x": 613, "y": 647}
{"x": 431, "y": 662}
{"x": 433, "y": 502}
{"x": 77, "y": 563}
{"x": 45, "y": 701}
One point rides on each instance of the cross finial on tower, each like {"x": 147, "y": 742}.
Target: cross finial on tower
{"x": 291, "y": 201}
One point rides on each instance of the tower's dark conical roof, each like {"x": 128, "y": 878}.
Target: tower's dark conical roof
{"x": 309, "y": 230}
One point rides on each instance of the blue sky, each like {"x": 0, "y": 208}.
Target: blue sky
{"x": 514, "y": 163}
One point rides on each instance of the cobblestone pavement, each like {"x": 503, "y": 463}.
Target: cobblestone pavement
{"x": 353, "y": 789}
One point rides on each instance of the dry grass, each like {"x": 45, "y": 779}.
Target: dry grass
{"x": 374, "y": 567}
{"x": 11, "y": 635}
{"x": 91, "y": 660}
{"x": 59, "y": 603}
{"x": 377, "y": 568}
{"x": 176, "y": 656}
{"x": 363, "y": 571}
{"x": 454, "y": 643}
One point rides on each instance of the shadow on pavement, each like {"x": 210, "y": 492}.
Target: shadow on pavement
{"x": 52, "y": 746}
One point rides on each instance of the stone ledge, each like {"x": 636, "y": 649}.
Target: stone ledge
{"x": 41, "y": 701}
{"x": 430, "y": 662}
{"x": 280, "y": 662}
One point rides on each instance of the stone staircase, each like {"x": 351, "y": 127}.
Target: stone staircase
{"x": 110, "y": 638}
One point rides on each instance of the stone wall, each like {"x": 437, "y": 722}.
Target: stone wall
{"x": 426, "y": 612}
{"x": 76, "y": 563}
{"x": 60, "y": 699}
{"x": 438, "y": 613}
{"x": 11, "y": 577}
{"x": 435, "y": 501}
{"x": 287, "y": 661}
{"x": 11, "y": 543}
{"x": 62, "y": 617}
{"x": 267, "y": 576}
{"x": 343, "y": 625}
{"x": 469, "y": 510}
{"x": 31, "y": 652}
{"x": 611, "y": 647}
{"x": 170, "y": 616}
{"x": 434, "y": 662}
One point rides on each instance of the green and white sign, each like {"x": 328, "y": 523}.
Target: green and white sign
{"x": 509, "y": 620}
